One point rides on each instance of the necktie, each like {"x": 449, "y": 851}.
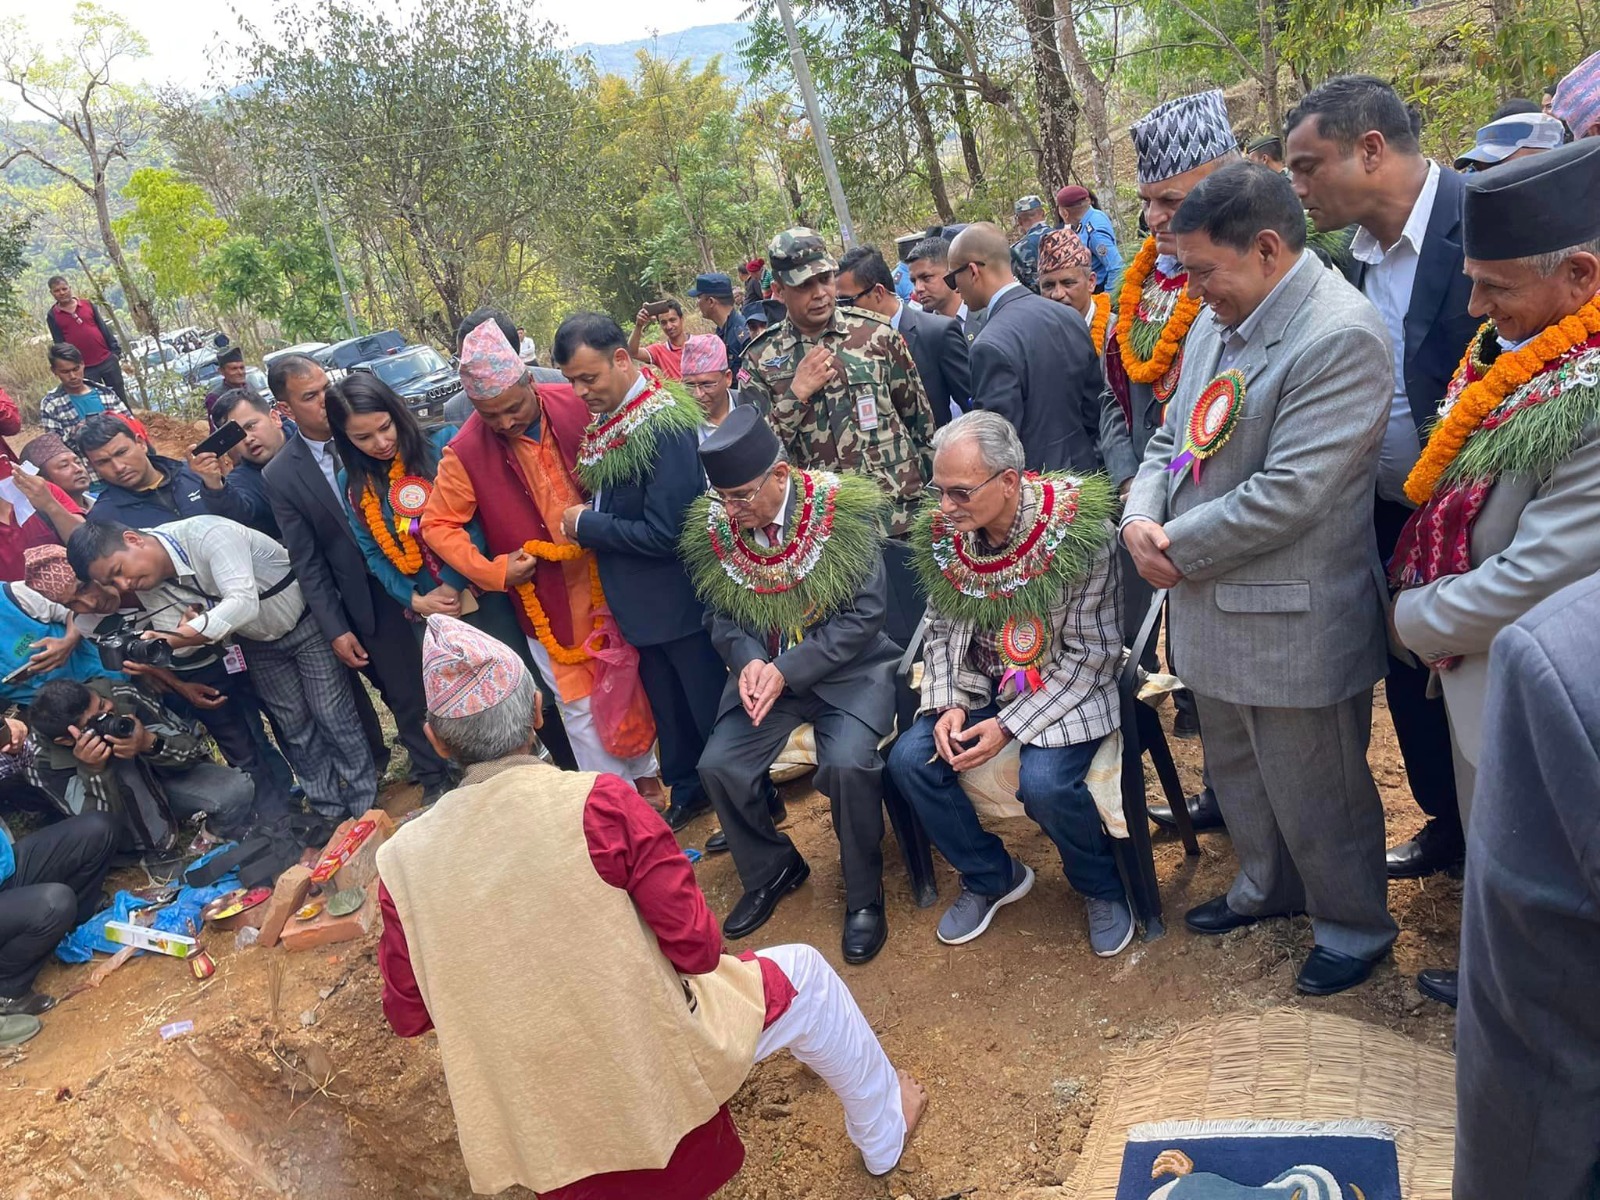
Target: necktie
{"x": 774, "y": 534}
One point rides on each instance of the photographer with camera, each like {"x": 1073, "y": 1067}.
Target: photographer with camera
{"x": 230, "y": 581}
{"x": 206, "y": 683}
{"x": 104, "y": 746}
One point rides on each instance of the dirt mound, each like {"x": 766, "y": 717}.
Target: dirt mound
{"x": 172, "y": 436}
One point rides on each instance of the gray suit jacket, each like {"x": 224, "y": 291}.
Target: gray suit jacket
{"x": 1532, "y": 538}
{"x": 940, "y": 350}
{"x": 1033, "y": 363}
{"x": 1282, "y": 601}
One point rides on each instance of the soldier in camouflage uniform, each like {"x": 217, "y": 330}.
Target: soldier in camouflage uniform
{"x": 1033, "y": 224}
{"x": 841, "y": 389}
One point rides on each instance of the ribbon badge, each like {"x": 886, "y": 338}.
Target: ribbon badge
{"x": 409, "y": 496}
{"x": 1211, "y": 423}
{"x": 1022, "y": 644}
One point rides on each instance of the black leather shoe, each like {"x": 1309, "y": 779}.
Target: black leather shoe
{"x": 1327, "y": 971}
{"x": 1203, "y": 811}
{"x": 865, "y": 931}
{"x": 1434, "y": 849}
{"x": 1214, "y": 917}
{"x": 678, "y": 815}
{"x": 1439, "y": 985}
{"x": 33, "y": 1004}
{"x": 717, "y": 843}
{"x": 753, "y": 908}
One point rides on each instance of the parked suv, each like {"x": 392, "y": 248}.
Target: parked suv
{"x": 421, "y": 376}
{"x": 341, "y": 356}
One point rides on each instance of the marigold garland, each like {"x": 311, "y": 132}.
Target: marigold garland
{"x": 397, "y": 544}
{"x": 1172, "y": 333}
{"x": 1512, "y": 369}
{"x": 571, "y": 656}
{"x": 1099, "y": 319}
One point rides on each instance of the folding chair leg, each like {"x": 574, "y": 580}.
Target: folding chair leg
{"x": 1155, "y": 744}
{"x": 914, "y": 846}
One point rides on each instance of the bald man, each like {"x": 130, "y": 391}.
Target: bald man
{"x": 1033, "y": 361}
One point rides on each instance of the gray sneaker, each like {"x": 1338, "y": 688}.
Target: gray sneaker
{"x": 970, "y": 915}
{"x": 1110, "y": 926}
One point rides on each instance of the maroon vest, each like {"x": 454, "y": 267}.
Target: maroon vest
{"x": 506, "y": 509}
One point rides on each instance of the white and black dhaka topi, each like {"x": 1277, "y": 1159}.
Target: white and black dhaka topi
{"x": 1182, "y": 134}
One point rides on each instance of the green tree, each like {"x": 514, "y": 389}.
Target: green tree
{"x": 15, "y": 235}
{"x": 173, "y": 226}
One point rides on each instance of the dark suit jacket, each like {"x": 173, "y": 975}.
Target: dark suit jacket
{"x": 1033, "y": 363}
{"x": 316, "y": 531}
{"x": 634, "y": 534}
{"x": 940, "y": 350}
{"x": 846, "y": 661}
{"x": 1438, "y": 326}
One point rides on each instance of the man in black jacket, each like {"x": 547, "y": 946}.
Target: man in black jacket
{"x": 1356, "y": 162}
{"x": 366, "y": 628}
{"x": 633, "y": 528}
{"x": 937, "y": 343}
{"x": 145, "y": 489}
{"x": 1032, "y": 362}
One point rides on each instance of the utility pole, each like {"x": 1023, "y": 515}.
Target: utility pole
{"x": 819, "y": 130}
{"x": 327, "y": 232}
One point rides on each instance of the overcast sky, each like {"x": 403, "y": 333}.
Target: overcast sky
{"x": 184, "y": 35}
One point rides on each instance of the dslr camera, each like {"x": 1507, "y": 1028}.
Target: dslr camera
{"x": 120, "y": 644}
{"x": 113, "y": 725}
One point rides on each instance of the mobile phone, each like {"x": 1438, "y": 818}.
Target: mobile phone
{"x": 227, "y": 436}
{"x": 656, "y": 307}
{"x": 20, "y": 673}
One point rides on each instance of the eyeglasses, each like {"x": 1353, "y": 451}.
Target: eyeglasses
{"x": 745, "y": 498}
{"x": 950, "y": 277}
{"x": 848, "y": 300}
{"x": 959, "y": 495}
{"x": 705, "y": 385}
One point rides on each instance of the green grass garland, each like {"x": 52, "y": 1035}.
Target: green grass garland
{"x": 636, "y": 458}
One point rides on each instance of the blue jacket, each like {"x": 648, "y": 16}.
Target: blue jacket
{"x": 634, "y": 534}
{"x": 400, "y": 587}
{"x": 1095, "y": 232}
{"x": 244, "y": 498}
{"x": 181, "y": 493}
{"x": 18, "y": 633}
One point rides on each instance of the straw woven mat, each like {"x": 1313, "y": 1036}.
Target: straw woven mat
{"x": 1291, "y": 1064}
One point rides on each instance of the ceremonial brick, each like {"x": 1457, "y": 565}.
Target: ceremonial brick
{"x": 362, "y": 868}
{"x": 326, "y": 930}
{"x": 288, "y": 894}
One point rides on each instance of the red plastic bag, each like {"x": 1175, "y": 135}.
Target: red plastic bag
{"x": 621, "y": 711}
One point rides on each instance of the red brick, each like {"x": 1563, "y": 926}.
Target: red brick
{"x": 288, "y": 894}
{"x": 363, "y": 868}
{"x": 326, "y": 930}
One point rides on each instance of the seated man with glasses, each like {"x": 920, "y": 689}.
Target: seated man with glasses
{"x": 1024, "y": 644}
{"x": 789, "y": 564}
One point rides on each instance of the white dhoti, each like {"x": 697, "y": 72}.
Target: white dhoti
{"x": 581, "y": 732}
{"x": 825, "y": 1029}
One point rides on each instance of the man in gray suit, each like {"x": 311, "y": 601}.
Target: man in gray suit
{"x": 1527, "y": 1048}
{"x": 937, "y": 343}
{"x": 790, "y": 565}
{"x": 1510, "y": 518}
{"x": 1032, "y": 361}
{"x": 1258, "y": 518}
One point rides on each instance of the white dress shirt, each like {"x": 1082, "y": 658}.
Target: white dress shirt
{"x": 1236, "y": 339}
{"x": 1391, "y": 276}
{"x": 329, "y": 464}
{"x": 226, "y": 568}
{"x": 759, "y": 533}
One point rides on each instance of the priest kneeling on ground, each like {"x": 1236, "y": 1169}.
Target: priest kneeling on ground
{"x": 1025, "y": 642}
{"x": 790, "y": 566}
{"x": 644, "y": 1028}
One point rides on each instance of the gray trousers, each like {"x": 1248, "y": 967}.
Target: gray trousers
{"x": 307, "y": 691}
{"x": 1305, "y": 817}
{"x": 849, "y": 772}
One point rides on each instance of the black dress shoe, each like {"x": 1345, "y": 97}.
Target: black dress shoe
{"x": 33, "y": 1004}
{"x": 678, "y": 815}
{"x": 1434, "y": 849}
{"x": 1327, "y": 971}
{"x": 753, "y": 908}
{"x": 1204, "y": 812}
{"x": 1439, "y": 985}
{"x": 717, "y": 843}
{"x": 1214, "y": 917}
{"x": 865, "y": 931}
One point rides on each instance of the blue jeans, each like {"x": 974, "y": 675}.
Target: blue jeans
{"x": 1052, "y": 791}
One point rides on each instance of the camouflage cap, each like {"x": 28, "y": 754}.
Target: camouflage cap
{"x": 799, "y": 254}
{"x": 1027, "y": 204}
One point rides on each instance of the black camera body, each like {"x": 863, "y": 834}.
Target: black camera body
{"x": 120, "y": 645}
{"x": 113, "y": 725}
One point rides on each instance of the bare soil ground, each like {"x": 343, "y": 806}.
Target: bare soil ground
{"x": 292, "y": 1085}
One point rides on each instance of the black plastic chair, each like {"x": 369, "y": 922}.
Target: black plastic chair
{"x": 908, "y": 832}
{"x": 1142, "y": 734}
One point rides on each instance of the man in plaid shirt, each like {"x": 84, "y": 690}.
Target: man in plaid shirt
{"x": 1024, "y": 644}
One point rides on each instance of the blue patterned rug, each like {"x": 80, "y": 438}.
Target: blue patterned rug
{"x": 1260, "y": 1160}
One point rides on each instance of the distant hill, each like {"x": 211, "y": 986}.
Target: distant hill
{"x": 699, "y": 45}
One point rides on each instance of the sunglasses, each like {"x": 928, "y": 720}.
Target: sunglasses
{"x": 950, "y": 277}
{"x": 850, "y": 300}
{"x": 959, "y": 495}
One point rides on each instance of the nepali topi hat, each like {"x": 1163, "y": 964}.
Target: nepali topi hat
{"x": 1061, "y": 249}
{"x": 464, "y": 670}
{"x": 1534, "y": 205}
{"x": 740, "y": 450}
{"x": 489, "y": 364}
{"x": 1181, "y": 135}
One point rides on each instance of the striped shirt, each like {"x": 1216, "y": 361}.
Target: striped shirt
{"x": 228, "y": 570}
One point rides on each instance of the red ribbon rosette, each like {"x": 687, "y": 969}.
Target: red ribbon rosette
{"x": 408, "y": 496}
{"x": 1212, "y": 421}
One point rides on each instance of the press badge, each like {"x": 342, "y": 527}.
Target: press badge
{"x": 867, "y": 410}
{"x": 233, "y": 660}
